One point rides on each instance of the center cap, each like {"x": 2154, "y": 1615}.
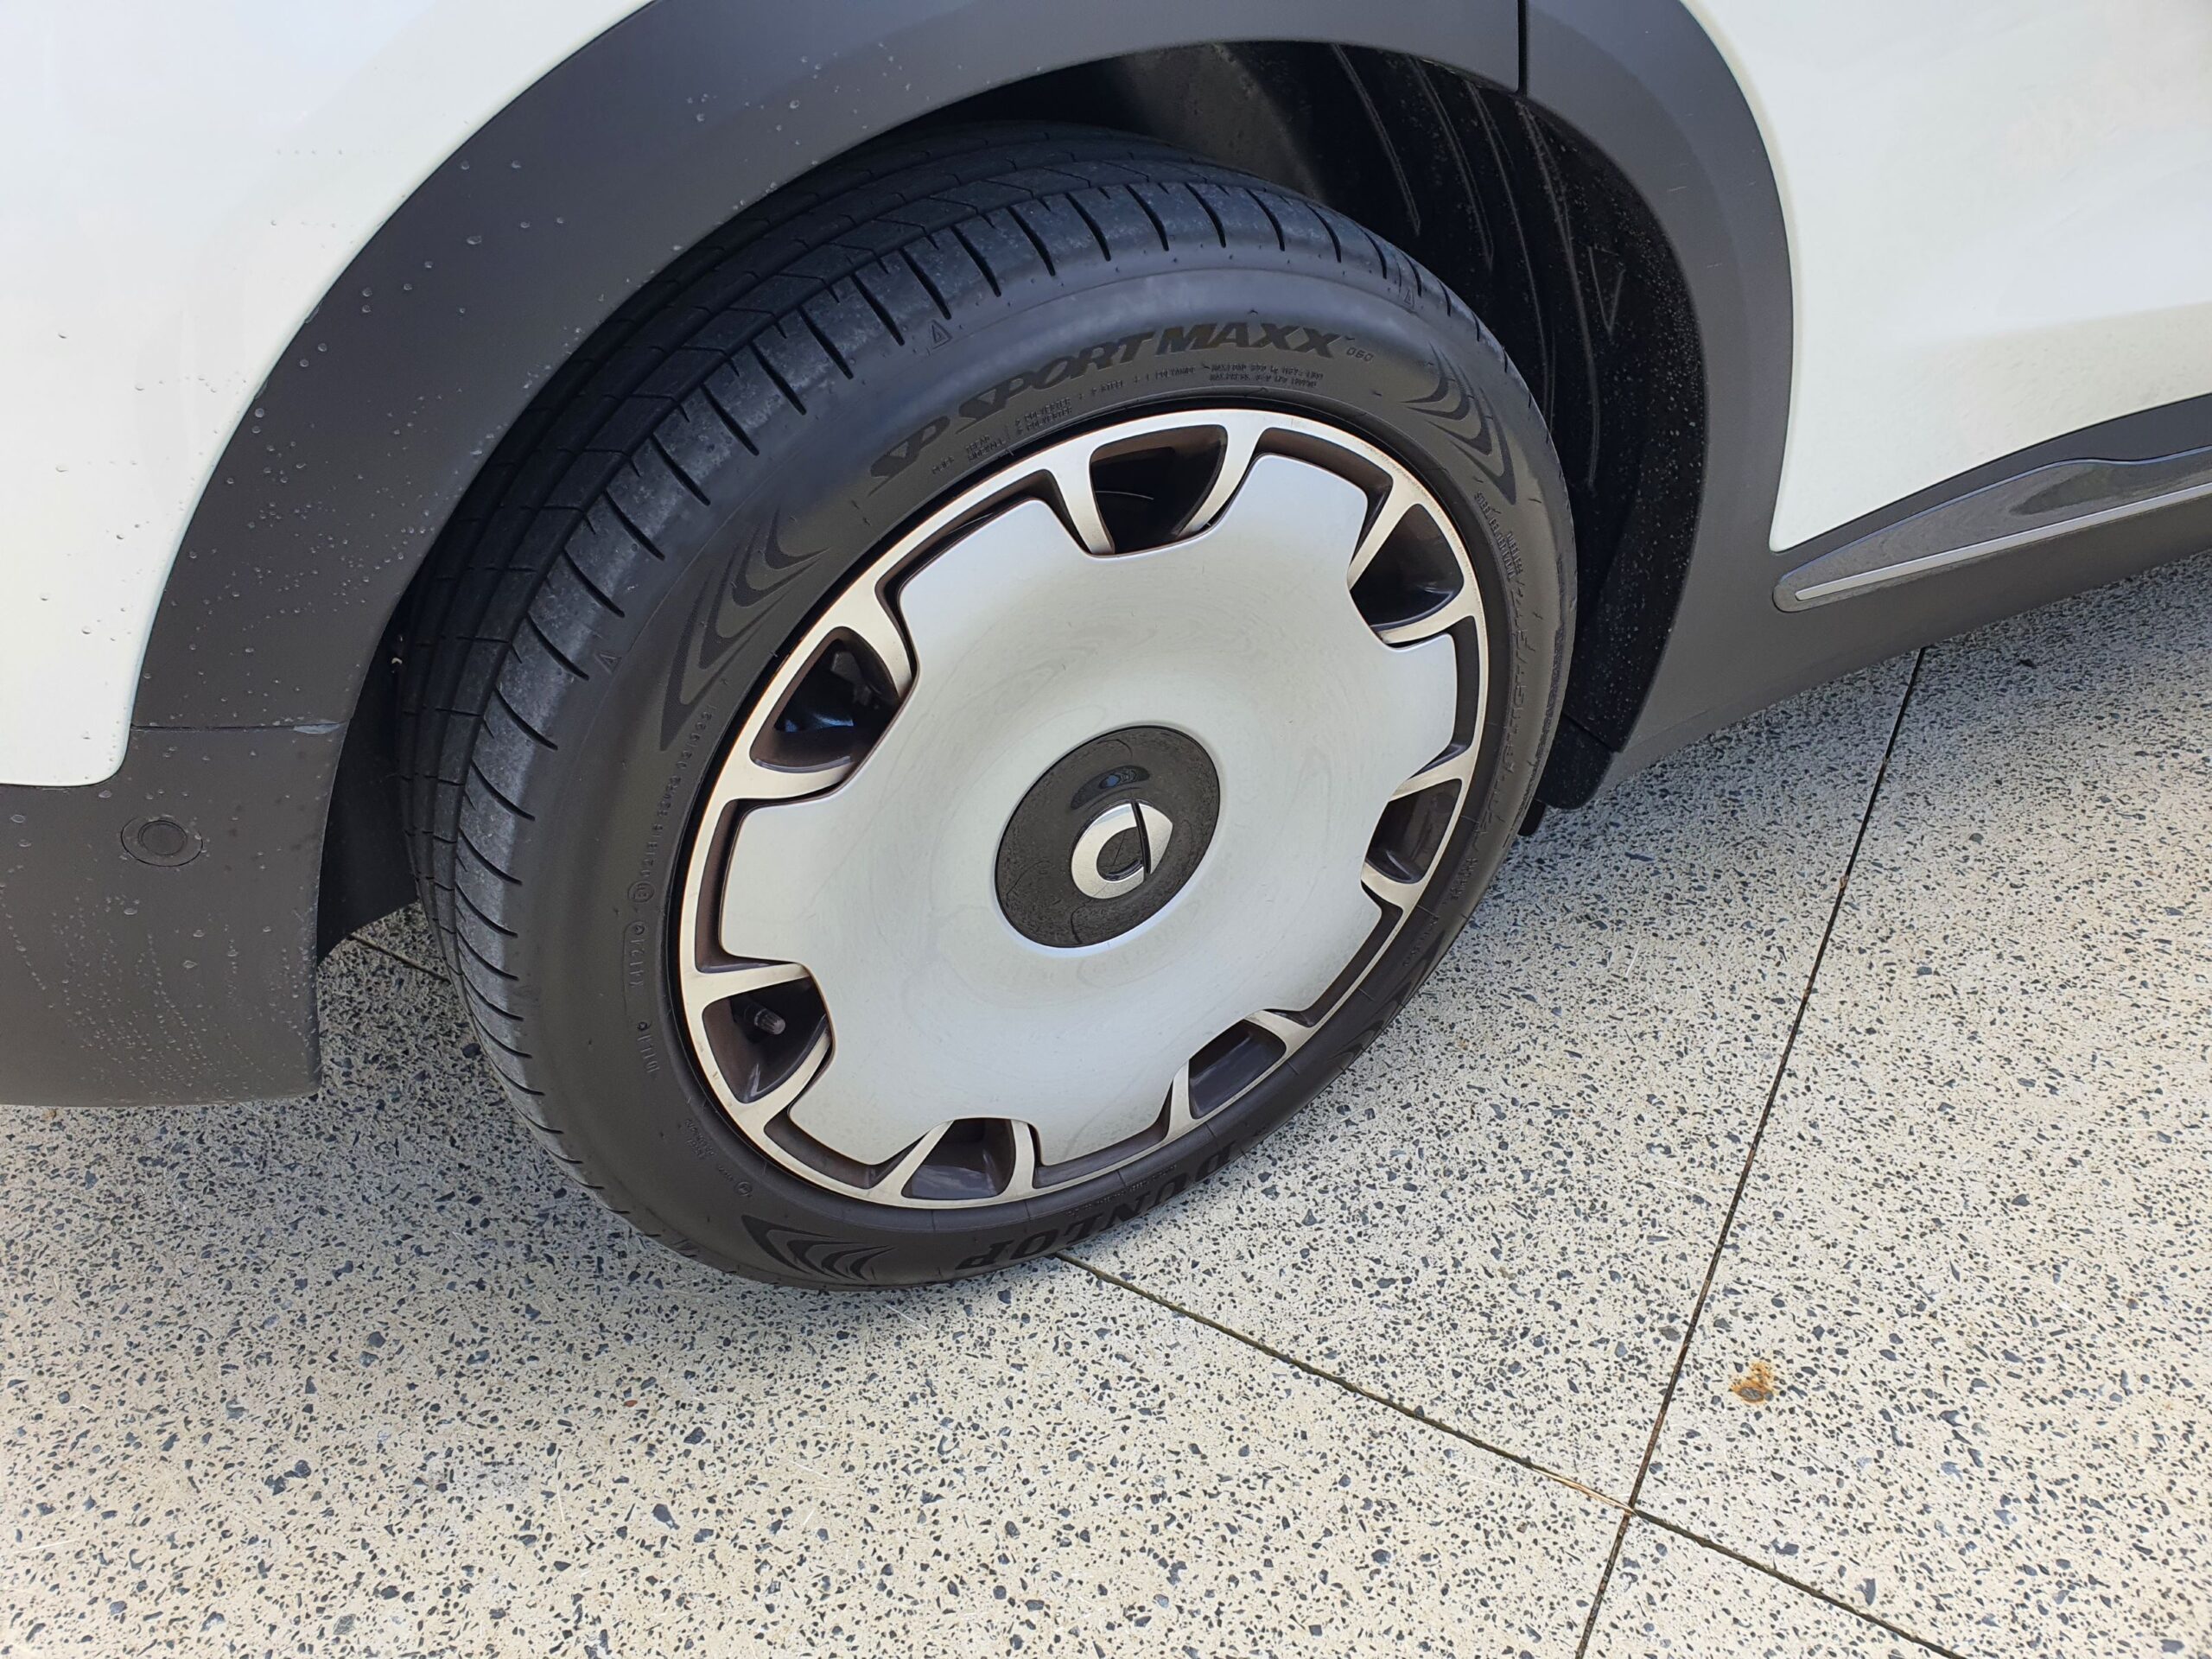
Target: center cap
{"x": 1107, "y": 836}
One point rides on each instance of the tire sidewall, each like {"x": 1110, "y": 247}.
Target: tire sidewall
{"x": 747, "y": 568}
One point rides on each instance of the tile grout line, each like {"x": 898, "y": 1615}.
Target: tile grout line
{"x": 1605, "y": 1581}
{"x": 1628, "y": 1514}
{"x": 1743, "y": 1181}
{"x": 1345, "y": 1383}
{"x": 1817, "y": 1594}
{"x": 404, "y": 962}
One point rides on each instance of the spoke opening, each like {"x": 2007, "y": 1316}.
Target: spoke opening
{"x": 1412, "y": 829}
{"x": 974, "y": 1158}
{"x": 838, "y": 705}
{"x": 1150, "y": 489}
{"x": 1413, "y": 574}
{"x": 763, "y": 1037}
{"x": 1232, "y": 1063}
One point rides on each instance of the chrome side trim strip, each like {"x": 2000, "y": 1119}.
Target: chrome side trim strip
{"x": 2013, "y": 512}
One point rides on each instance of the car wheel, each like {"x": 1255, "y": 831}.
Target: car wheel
{"x": 975, "y": 698}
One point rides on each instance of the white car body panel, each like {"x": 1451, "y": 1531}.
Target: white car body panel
{"x": 184, "y": 184}
{"x": 1999, "y": 215}
{"x": 1995, "y": 212}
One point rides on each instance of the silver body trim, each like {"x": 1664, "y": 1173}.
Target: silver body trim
{"x": 2025, "y": 510}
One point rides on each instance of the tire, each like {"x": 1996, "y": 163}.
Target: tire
{"x": 632, "y": 574}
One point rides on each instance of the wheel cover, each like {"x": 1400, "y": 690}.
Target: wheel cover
{"x": 1042, "y": 711}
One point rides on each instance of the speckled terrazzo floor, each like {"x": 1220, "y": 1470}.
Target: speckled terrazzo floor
{"x": 1629, "y": 1299}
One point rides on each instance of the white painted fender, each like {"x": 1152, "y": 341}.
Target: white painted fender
{"x": 1999, "y": 215}
{"x": 183, "y": 183}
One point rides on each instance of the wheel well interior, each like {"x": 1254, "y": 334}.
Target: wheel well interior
{"x": 1528, "y": 222}
{"x": 1532, "y": 227}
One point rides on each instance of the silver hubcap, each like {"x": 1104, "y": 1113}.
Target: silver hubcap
{"x": 1274, "y": 591}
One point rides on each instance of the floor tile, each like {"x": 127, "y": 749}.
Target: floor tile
{"x": 363, "y": 1374}
{"x": 1671, "y": 1599}
{"x": 1972, "y": 1259}
{"x": 1502, "y": 1214}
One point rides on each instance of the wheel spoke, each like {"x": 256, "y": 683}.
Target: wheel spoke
{"x": 1292, "y": 1034}
{"x": 755, "y": 1115}
{"x": 744, "y": 779}
{"x": 1179, "y": 1117}
{"x": 1399, "y": 895}
{"x": 1402, "y": 498}
{"x": 1022, "y": 1182}
{"x": 718, "y": 983}
{"x": 1070, "y": 476}
{"x": 1240, "y": 443}
{"x": 909, "y": 1162}
{"x": 1454, "y": 766}
{"x": 1453, "y": 611}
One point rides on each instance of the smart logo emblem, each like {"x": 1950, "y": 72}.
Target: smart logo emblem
{"x": 1108, "y": 836}
{"x": 1150, "y": 828}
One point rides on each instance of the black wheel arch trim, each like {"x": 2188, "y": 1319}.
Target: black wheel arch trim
{"x": 1648, "y": 89}
{"x": 456, "y": 312}
{"x": 506, "y": 258}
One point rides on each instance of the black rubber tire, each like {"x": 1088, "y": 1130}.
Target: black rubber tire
{"x": 688, "y": 493}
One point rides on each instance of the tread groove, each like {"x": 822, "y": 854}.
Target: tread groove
{"x": 828, "y": 345}
{"x": 776, "y": 375}
{"x": 629, "y": 524}
{"x": 493, "y": 790}
{"x": 960, "y": 235}
{"x": 928, "y": 287}
{"x": 1282, "y": 242}
{"x": 875, "y": 305}
{"x": 729, "y": 420}
{"x": 477, "y": 910}
{"x": 470, "y": 988}
{"x": 482, "y": 961}
{"x": 529, "y": 730}
{"x": 1159, "y": 229}
{"x": 520, "y": 1054}
{"x": 554, "y": 651}
{"x": 584, "y": 576}
{"x": 682, "y": 476}
{"x": 1036, "y": 241}
{"x": 1220, "y": 231}
{"x": 463, "y": 840}
{"x": 1097, "y": 234}
{"x": 1328, "y": 223}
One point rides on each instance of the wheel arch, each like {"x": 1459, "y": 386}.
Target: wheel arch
{"x": 379, "y": 417}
